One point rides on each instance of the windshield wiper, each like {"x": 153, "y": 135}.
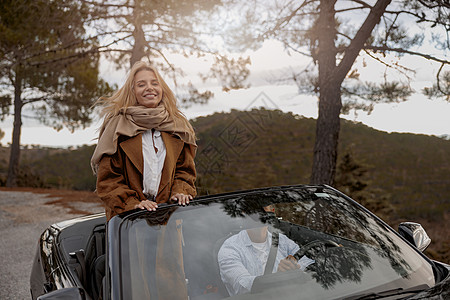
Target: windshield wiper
{"x": 389, "y": 293}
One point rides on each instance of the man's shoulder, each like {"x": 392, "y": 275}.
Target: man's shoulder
{"x": 234, "y": 238}
{"x": 235, "y": 241}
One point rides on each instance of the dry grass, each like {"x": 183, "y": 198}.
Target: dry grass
{"x": 439, "y": 233}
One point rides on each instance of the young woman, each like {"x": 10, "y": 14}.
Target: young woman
{"x": 146, "y": 147}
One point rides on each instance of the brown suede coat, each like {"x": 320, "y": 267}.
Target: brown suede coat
{"x": 119, "y": 176}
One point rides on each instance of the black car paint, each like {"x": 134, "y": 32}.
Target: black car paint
{"x": 50, "y": 271}
{"x": 51, "y": 274}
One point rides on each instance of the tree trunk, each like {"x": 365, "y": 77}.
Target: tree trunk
{"x": 331, "y": 77}
{"x": 327, "y": 125}
{"x": 327, "y": 135}
{"x": 138, "y": 50}
{"x": 14, "y": 155}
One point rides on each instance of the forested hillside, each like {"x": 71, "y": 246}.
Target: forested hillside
{"x": 399, "y": 176}
{"x": 241, "y": 150}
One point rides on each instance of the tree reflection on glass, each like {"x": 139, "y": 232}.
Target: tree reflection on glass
{"x": 340, "y": 264}
{"x": 307, "y": 214}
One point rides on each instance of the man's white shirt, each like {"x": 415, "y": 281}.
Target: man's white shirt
{"x": 240, "y": 262}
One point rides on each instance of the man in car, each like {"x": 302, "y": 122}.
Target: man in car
{"x": 244, "y": 256}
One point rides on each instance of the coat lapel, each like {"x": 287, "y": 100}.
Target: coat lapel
{"x": 174, "y": 146}
{"x": 133, "y": 150}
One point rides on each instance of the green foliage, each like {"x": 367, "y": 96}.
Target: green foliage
{"x": 231, "y": 72}
{"x": 69, "y": 102}
{"x": 5, "y": 103}
{"x": 352, "y": 178}
{"x": 243, "y": 150}
{"x": 47, "y": 62}
{"x": 63, "y": 168}
{"x": 412, "y": 170}
{"x": 129, "y": 31}
{"x": 194, "y": 96}
{"x": 373, "y": 93}
{"x": 170, "y": 25}
{"x": 28, "y": 178}
{"x": 441, "y": 89}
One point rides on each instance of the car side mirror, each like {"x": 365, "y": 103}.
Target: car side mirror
{"x": 74, "y": 293}
{"x": 415, "y": 234}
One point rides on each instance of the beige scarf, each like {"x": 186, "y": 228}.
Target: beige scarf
{"x": 134, "y": 120}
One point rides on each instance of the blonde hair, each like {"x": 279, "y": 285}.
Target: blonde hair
{"x": 125, "y": 97}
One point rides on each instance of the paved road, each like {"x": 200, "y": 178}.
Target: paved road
{"x": 23, "y": 217}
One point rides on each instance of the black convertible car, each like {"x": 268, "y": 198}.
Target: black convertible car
{"x": 206, "y": 250}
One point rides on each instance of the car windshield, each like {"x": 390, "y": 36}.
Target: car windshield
{"x": 288, "y": 243}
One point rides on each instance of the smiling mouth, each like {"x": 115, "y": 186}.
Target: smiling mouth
{"x": 150, "y": 96}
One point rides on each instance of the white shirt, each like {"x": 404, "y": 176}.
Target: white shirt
{"x": 153, "y": 161}
{"x": 262, "y": 251}
{"x": 240, "y": 262}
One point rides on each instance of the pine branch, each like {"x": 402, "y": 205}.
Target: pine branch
{"x": 437, "y": 3}
{"x": 421, "y": 18}
{"x": 402, "y": 69}
{"x": 405, "y": 51}
{"x": 75, "y": 56}
{"x": 282, "y": 22}
{"x": 360, "y": 38}
{"x": 438, "y": 80}
{"x": 32, "y": 100}
{"x": 105, "y": 5}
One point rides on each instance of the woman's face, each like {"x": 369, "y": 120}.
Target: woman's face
{"x": 147, "y": 89}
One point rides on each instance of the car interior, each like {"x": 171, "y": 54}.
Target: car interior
{"x": 83, "y": 247}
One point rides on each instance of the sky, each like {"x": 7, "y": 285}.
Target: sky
{"x": 417, "y": 115}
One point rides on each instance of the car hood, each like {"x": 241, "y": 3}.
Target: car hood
{"x": 438, "y": 292}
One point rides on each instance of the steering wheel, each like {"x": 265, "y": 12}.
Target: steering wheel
{"x": 314, "y": 244}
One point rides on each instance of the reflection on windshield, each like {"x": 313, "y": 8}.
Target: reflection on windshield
{"x": 254, "y": 252}
{"x": 261, "y": 242}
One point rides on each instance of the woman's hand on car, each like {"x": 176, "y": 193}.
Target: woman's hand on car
{"x": 147, "y": 204}
{"x": 181, "y": 198}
